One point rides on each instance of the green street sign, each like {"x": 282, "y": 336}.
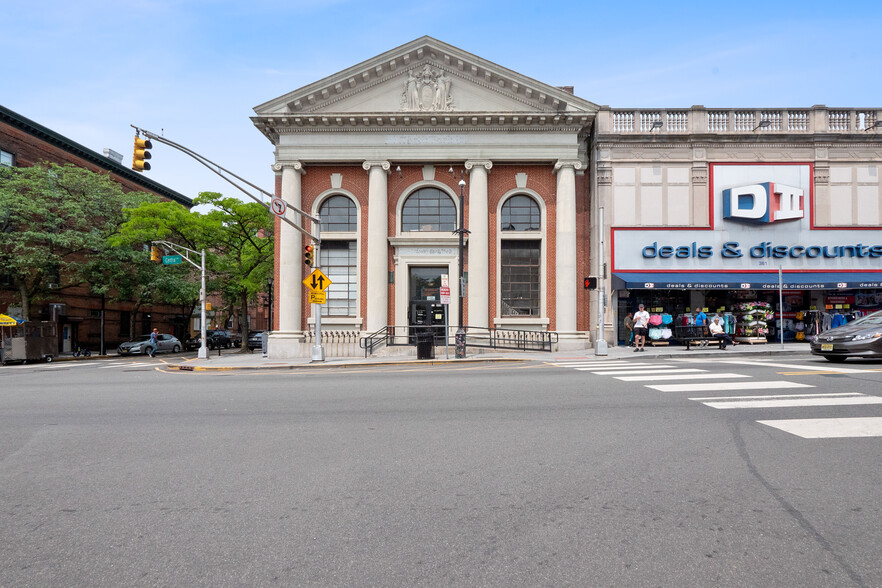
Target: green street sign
{"x": 171, "y": 259}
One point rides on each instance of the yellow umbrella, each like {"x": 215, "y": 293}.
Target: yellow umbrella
{"x": 7, "y": 321}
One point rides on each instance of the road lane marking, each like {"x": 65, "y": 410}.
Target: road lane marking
{"x": 670, "y": 376}
{"x": 715, "y": 386}
{"x": 830, "y": 428}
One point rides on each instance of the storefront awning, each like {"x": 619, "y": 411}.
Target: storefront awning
{"x": 744, "y": 281}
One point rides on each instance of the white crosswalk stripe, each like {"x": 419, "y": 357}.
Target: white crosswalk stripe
{"x": 717, "y": 386}
{"x": 691, "y": 380}
{"x": 829, "y": 428}
{"x": 680, "y": 376}
{"x": 795, "y": 401}
{"x": 647, "y": 371}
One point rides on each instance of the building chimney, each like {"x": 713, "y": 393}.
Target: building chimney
{"x": 111, "y": 154}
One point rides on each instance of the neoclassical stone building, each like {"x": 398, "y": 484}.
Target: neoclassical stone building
{"x": 678, "y": 208}
{"x": 378, "y": 152}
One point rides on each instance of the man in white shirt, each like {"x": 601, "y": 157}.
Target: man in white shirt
{"x": 716, "y": 330}
{"x": 641, "y": 328}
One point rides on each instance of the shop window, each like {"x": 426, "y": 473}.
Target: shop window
{"x": 338, "y": 214}
{"x": 339, "y": 262}
{"x": 520, "y": 277}
{"x": 520, "y": 213}
{"x": 428, "y": 209}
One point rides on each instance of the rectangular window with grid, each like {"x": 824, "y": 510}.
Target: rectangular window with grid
{"x": 338, "y": 262}
{"x": 520, "y": 277}
{"x": 6, "y": 159}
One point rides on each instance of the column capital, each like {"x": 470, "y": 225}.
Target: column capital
{"x": 560, "y": 164}
{"x": 296, "y": 165}
{"x": 488, "y": 165}
{"x": 385, "y": 165}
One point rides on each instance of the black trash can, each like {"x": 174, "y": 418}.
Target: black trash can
{"x": 425, "y": 345}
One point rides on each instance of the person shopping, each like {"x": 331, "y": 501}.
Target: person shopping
{"x": 716, "y": 330}
{"x": 641, "y": 328}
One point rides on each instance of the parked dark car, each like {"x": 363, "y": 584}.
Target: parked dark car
{"x": 255, "y": 339}
{"x": 859, "y": 338}
{"x": 217, "y": 338}
{"x": 142, "y": 345}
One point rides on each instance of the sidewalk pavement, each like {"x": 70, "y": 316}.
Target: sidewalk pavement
{"x": 243, "y": 360}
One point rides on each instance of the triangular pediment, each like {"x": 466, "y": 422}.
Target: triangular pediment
{"x": 426, "y": 77}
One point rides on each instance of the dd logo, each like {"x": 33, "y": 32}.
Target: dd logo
{"x": 763, "y": 203}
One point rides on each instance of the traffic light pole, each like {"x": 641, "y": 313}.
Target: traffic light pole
{"x": 203, "y": 347}
{"x": 318, "y": 350}
{"x": 222, "y": 172}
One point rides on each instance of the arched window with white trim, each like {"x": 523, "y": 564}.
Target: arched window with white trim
{"x": 520, "y": 221}
{"x": 338, "y": 255}
{"x": 428, "y": 209}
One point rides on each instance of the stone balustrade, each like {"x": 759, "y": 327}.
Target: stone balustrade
{"x": 698, "y": 119}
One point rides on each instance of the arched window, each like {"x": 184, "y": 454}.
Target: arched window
{"x": 338, "y": 213}
{"x": 428, "y": 209}
{"x": 520, "y": 213}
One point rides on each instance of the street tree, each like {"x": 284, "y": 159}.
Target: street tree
{"x": 54, "y": 219}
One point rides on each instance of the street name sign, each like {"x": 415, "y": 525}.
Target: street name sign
{"x": 171, "y": 259}
{"x": 317, "y": 281}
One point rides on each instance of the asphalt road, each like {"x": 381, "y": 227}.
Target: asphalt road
{"x": 488, "y": 475}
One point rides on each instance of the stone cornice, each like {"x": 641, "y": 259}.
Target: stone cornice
{"x": 409, "y": 122}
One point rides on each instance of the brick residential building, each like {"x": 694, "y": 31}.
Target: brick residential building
{"x": 78, "y": 313}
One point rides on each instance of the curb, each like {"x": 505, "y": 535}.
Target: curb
{"x": 313, "y": 366}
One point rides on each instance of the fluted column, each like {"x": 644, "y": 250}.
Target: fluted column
{"x": 290, "y": 264}
{"x": 479, "y": 235}
{"x": 377, "y": 246}
{"x": 565, "y": 246}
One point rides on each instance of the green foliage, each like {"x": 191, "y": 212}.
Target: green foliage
{"x": 54, "y": 219}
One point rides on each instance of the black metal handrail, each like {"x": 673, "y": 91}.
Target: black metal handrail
{"x": 482, "y": 337}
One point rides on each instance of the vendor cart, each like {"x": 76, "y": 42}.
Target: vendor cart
{"x": 30, "y": 341}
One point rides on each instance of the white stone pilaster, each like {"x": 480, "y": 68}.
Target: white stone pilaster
{"x": 565, "y": 246}
{"x": 285, "y": 342}
{"x": 377, "y": 246}
{"x": 479, "y": 235}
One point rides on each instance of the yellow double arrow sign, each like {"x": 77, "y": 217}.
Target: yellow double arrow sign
{"x": 317, "y": 282}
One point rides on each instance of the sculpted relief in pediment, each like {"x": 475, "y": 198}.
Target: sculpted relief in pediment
{"x": 427, "y": 90}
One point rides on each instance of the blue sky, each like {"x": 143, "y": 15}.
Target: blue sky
{"x": 197, "y": 68}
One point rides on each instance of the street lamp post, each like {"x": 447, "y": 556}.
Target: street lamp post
{"x": 461, "y": 332}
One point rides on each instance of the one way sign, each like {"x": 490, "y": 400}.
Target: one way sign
{"x": 317, "y": 281}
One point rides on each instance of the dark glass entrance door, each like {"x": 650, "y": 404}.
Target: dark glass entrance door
{"x": 425, "y": 313}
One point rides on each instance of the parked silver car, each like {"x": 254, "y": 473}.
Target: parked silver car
{"x": 859, "y": 338}
{"x": 142, "y": 344}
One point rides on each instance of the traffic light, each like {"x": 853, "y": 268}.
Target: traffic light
{"x": 307, "y": 255}
{"x": 140, "y": 154}
{"x": 590, "y": 283}
{"x": 154, "y": 254}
